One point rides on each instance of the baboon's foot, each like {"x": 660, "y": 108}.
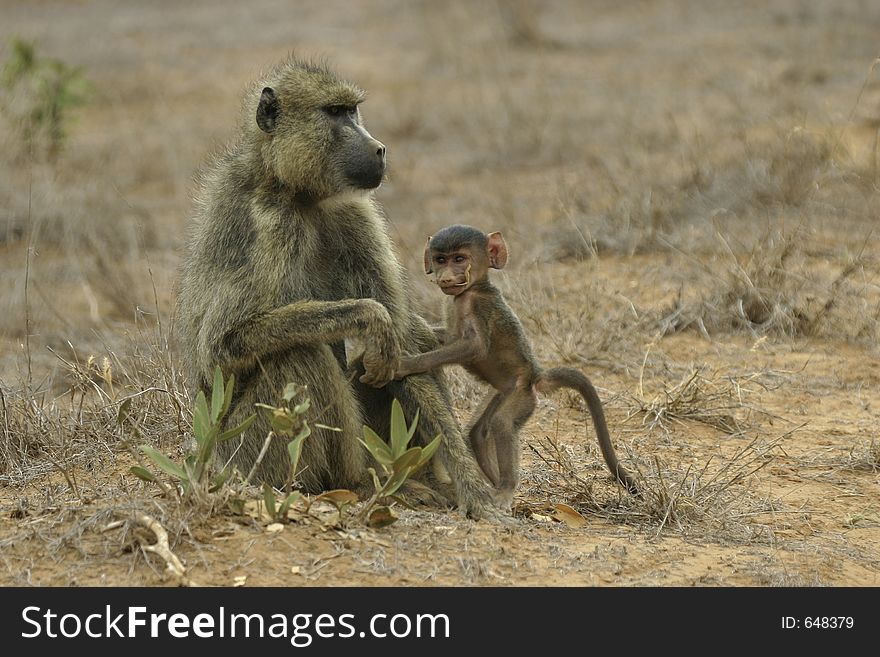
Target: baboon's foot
{"x": 503, "y": 499}
{"x": 415, "y": 493}
{"x": 480, "y": 505}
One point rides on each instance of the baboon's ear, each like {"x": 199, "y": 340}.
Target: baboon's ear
{"x": 268, "y": 110}
{"x": 428, "y": 268}
{"x": 496, "y": 249}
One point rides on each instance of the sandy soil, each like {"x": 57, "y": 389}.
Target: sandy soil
{"x": 613, "y": 143}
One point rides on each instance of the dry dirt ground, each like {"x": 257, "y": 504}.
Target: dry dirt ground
{"x": 690, "y": 191}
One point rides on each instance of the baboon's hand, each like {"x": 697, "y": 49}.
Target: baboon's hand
{"x": 379, "y": 369}
{"x": 379, "y": 365}
{"x": 382, "y": 352}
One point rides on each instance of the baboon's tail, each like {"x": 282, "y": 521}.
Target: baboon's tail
{"x": 567, "y": 377}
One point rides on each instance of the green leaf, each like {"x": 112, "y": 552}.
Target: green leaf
{"x": 269, "y": 500}
{"x": 294, "y": 448}
{"x": 377, "y": 447}
{"x": 217, "y": 395}
{"x": 376, "y": 484}
{"x": 227, "y": 399}
{"x": 123, "y": 417}
{"x": 189, "y": 467}
{"x": 236, "y": 431}
{"x": 290, "y": 391}
{"x": 300, "y": 409}
{"x": 235, "y": 505}
{"x": 409, "y": 459}
{"x": 395, "y": 481}
{"x": 304, "y": 432}
{"x": 398, "y": 429}
{"x": 412, "y": 428}
{"x": 206, "y": 452}
{"x": 166, "y": 464}
{"x": 201, "y": 417}
{"x": 142, "y": 473}
{"x": 381, "y": 516}
{"x": 428, "y": 450}
{"x": 288, "y": 502}
{"x": 219, "y": 480}
{"x": 281, "y": 422}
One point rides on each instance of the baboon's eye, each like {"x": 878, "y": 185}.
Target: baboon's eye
{"x": 440, "y": 260}
{"x": 340, "y": 110}
{"x": 460, "y": 258}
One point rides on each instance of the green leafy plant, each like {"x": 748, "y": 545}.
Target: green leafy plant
{"x": 195, "y": 475}
{"x": 40, "y": 93}
{"x": 277, "y": 507}
{"x": 397, "y": 460}
{"x": 287, "y": 420}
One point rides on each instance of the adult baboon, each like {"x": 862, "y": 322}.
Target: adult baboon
{"x": 288, "y": 257}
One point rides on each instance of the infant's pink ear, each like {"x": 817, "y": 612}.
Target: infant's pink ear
{"x": 497, "y": 250}
{"x": 428, "y": 268}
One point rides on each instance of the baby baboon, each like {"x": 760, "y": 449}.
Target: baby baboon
{"x": 485, "y": 336}
{"x": 289, "y": 256}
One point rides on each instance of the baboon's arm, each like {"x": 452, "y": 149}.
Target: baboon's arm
{"x": 465, "y": 349}
{"x": 310, "y": 323}
{"x": 439, "y": 333}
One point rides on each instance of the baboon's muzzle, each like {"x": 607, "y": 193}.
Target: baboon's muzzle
{"x": 368, "y": 168}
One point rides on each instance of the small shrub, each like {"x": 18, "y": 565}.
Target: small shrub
{"x": 289, "y": 423}
{"x": 40, "y": 94}
{"x": 397, "y": 460}
{"x": 195, "y": 476}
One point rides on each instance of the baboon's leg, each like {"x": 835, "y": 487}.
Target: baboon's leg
{"x": 424, "y": 337}
{"x": 478, "y": 434}
{"x": 425, "y": 391}
{"x": 504, "y": 426}
{"x": 329, "y": 459}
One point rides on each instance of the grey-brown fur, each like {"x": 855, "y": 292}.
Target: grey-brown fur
{"x": 290, "y": 255}
{"x": 483, "y": 334}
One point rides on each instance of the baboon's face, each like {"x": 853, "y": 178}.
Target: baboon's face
{"x": 457, "y": 270}
{"x": 460, "y": 257}
{"x": 316, "y": 142}
{"x": 355, "y": 155}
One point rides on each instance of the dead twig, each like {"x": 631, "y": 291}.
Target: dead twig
{"x": 173, "y": 566}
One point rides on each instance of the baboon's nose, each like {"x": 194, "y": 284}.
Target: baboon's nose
{"x": 381, "y": 151}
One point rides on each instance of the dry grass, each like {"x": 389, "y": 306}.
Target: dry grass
{"x": 772, "y": 288}
{"x": 716, "y": 497}
{"x": 44, "y": 432}
{"x": 653, "y": 201}
{"x": 714, "y": 500}
{"x": 722, "y": 401}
